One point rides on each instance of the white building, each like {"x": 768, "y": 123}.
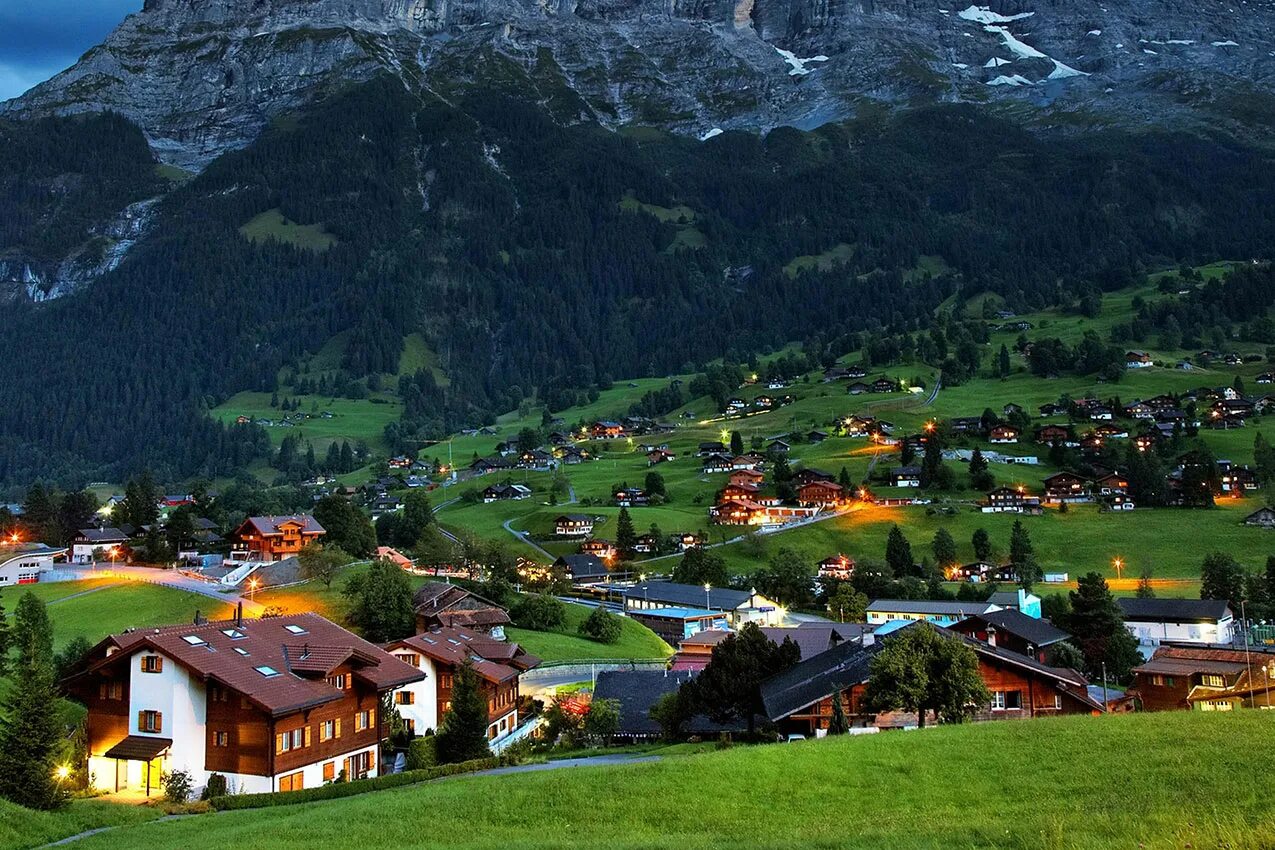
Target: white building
{"x": 94, "y": 544}
{"x": 24, "y": 564}
{"x": 1156, "y": 621}
{"x": 273, "y": 704}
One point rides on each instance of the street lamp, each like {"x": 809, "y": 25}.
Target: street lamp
{"x": 252, "y": 587}
{"x": 114, "y": 553}
{"x": 1119, "y": 565}
{"x": 707, "y": 603}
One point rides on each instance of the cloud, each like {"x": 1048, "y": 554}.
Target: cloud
{"x": 37, "y": 40}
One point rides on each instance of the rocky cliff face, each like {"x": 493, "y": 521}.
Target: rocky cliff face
{"x": 204, "y": 76}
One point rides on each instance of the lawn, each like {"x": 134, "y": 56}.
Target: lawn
{"x": 273, "y": 225}
{"x": 22, "y": 828}
{"x": 636, "y": 641}
{"x": 354, "y": 420}
{"x": 1171, "y": 783}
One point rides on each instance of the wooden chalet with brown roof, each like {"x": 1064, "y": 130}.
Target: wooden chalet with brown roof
{"x": 1066, "y": 487}
{"x": 1212, "y": 678}
{"x": 438, "y": 604}
{"x": 272, "y": 704}
{"x": 747, "y": 476}
{"x": 1010, "y": 500}
{"x": 437, "y": 654}
{"x": 273, "y": 538}
{"x": 821, "y": 493}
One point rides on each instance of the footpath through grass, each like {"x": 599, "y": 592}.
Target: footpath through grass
{"x": 1167, "y": 780}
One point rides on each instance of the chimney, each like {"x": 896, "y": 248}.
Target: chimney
{"x": 305, "y": 650}
{"x": 239, "y": 614}
{"x": 991, "y": 636}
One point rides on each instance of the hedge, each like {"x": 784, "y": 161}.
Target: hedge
{"x": 348, "y": 789}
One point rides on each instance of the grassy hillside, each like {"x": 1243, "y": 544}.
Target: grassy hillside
{"x": 22, "y": 828}
{"x": 636, "y": 641}
{"x": 1170, "y": 781}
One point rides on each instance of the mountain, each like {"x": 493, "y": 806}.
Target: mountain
{"x": 204, "y": 76}
{"x": 275, "y": 196}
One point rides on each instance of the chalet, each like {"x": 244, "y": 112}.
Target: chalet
{"x": 1161, "y": 402}
{"x": 1137, "y": 360}
{"x": 1156, "y": 621}
{"x": 885, "y": 385}
{"x": 438, "y": 604}
{"x": 636, "y": 692}
{"x": 606, "y": 430}
{"x": 737, "y": 512}
{"x": 1091, "y": 443}
{"x": 1261, "y": 518}
{"x": 822, "y": 493}
{"x": 1111, "y": 484}
{"x": 23, "y": 563}
{"x": 559, "y": 438}
{"x": 736, "y": 405}
{"x": 1066, "y": 487}
{"x": 716, "y": 463}
{"x": 708, "y": 449}
{"x": 583, "y": 569}
{"x": 1266, "y": 378}
{"x": 1053, "y": 408}
{"x": 629, "y": 497}
{"x": 505, "y": 492}
{"x": 275, "y": 704}
{"x": 1139, "y": 410}
{"x": 1010, "y": 500}
{"x": 1003, "y": 434}
{"x": 646, "y": 544}
{"x": 858, "y": 388}
{"x": 778, "y": 447}
{"x": 438, "y": 654}
{"x": 810, "y": 476}
{"x": 535, "y": 459}
{"x": 977, "y": 571}
{"x": 906, "y": 476}
{"x": 604, "y": 549}
{"x": 1212, "y": 678}
{"x": 763, "y": 401}
{"x": 747, "y": 476}
{"x": 689, "y": 540}
{"x": 94, "y": 543}
{"x": 1112, "y": 432}
{"x": 1053, "y": 435}
{"x": 837, "y": 567}
{"x": 739, "y": 491}
{"x": 1013, "y": 630}
{"x": 573, "y": 525}
{"x": 799, "y": 700}
{"x": 399, "y": 462}
{"x": 273, "y": 538}
{"x": 1100, "y": 413}
{"x": 657, "y": 456}
{"x": 856, "y": 372}
{"x": 485, "y": 465}
{"x": 815, "y": 437}
{"x": 965, "y": 424}
{"x": 942, "y": 613}
{"x": 740, "y": 606}
{"x": 1233, "y": 360}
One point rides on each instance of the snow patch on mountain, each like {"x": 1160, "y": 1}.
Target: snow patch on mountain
{"x": 798, "y": 65}
{"x": 984, "y": 15}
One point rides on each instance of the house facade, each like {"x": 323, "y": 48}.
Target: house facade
{"x": 271, "y": 704}
{"x": 273, "y": 538}
{"x": 1156, "y": 621}
{"x": 24, "y": 564}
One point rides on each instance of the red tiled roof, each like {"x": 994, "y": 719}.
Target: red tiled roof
{"x": 496, "y": 661}
{"x": 301, "y": 649}
{"x": 270, "y": 525}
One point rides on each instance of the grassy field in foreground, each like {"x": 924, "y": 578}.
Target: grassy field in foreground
{"x": 1176, "y": 780}
{"x": 21, "y": 828}
{"x": 636, "y": 641}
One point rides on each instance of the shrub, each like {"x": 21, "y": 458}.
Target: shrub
{"x": 177, "y": 786}
{"x": 601, "y": 625}
{"x": 216, "y": 787}
{"x": 421, "y": 753}
{"x": 539, "y": 612}
{"x": 349, "y": 789}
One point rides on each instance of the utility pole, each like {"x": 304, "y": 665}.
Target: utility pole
{"x": 1104, "y": 686}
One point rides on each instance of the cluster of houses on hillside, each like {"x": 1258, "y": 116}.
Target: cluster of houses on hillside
{"x": 764, "y": 403}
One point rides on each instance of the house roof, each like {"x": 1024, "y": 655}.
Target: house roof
{"x": 638, "y": 690}
{"x": 691, "y": 595}
{"x": 139, "y": 748}
{"x": 103, "y": 535}
{"x": 583, "y": 565}
{"x": 494, "y": 660}
{"x": 270, "y": 526}
{"x": 1039, "y": 633}
{"x": 455, "y": 606}
{"x": 815, "y": 678}
{"x": 279, "y": 663}
{"x": 929, "y": 606}
{"x": 1174, "y": 610}
{"x": 810, "y": 641}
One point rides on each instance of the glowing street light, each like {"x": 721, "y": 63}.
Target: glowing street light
{"x": 707, "y": 604}
{"x": 62, "y": 772}
{"x": 1118, "y": 564}
{"x": 253, "y": 584}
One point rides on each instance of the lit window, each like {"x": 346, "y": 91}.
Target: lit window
{"x": 267, "y": 671}
{"x": 221, "y": 739}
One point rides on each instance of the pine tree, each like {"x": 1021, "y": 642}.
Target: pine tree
{"x": 982, "y": 543}
{"x": 837, "y": 724}
{"x": 6, "y": 641}
{"x": 1003, "y": 362}
{"x": 462, "y": 735}
{"x": 843, "y": 478}
{"x": 625, "y": 534}
{"x": 1022, "y": 555}
{"x": 1097, "y": 627}
{"x": 898, "y": 553}
{"x": 1145, "y": 590}
{"x": 29, "y": 734}
{"x": 736, "y": 443}
{"x": 944, "y": 549}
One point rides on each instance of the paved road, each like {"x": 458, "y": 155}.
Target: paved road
{"x": 522, "y": 535}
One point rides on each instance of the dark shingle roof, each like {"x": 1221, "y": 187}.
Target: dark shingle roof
{"x": 1040, "y": 633}
{"x": 816, "y": 678}
{"x": 691, "y": 595}
{"x": 637, "y": 690}
{"x": 1174, "y": 610}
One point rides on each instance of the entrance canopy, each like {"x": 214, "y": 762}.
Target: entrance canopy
{"x": 139, "y": 748}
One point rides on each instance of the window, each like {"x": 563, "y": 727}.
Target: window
{"x": 233, "y": 634}
{"x": 292, "y": 782}
{"x": 362, "y": 721}
{"x": 221, "y": 739}
{"x": 267, "y": 671}
{"x": 1216, "y": 705}
{"x": 329, "y": 771}
{"x": 241, "y": 650}
{"x": 404, "y": 698}
{"x": 327, "y": 730}
{"x": 998, "y": 700}
{"x": 445, "y": 681}
{"x": 292, "y": 740}
{"x": 410, "y": 725}
{"x": 1057, "y": 702}
{"x": 216, "y": 693}
{"x": 152, "y": 664}
{"x": 411, "y": 658}
{"x": 1211, "y": 681}
{"x": 295, "y": 629}
{"x": 1013, "y": 699}
{"x": 110, "y": 690}
{"x": 339, "y": 681}
{"x": 194, "y": 640}
{"x": 359, "y": 765}
{"x": 150, "y": 721}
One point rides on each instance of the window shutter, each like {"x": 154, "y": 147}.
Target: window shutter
{"x": 371, "y": 759}
{"x": 338, "y": 727}
{"x": 159, "y": 721}
{"x": 101, "y": 691}
{"x": 278, "y": 743}
{"x": 371, "y": 719}
{"x": 307, "y": 736}
{"x": 141, "y": 721}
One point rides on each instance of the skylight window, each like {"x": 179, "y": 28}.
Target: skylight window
{"x": 267, "y": 671}
{"x": 194, "y": 640}
{"x": 241, "y": 650}
{"x": 233, "y": 634}
{"x": 295, "y": 629}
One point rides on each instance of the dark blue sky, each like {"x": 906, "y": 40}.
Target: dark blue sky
{"x": 38, "y": 38}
